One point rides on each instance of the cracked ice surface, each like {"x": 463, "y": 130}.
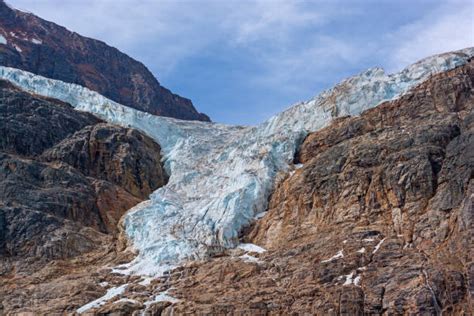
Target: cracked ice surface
{"x": 221, "y": 176}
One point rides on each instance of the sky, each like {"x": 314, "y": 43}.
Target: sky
{"x": 242, "y": 61}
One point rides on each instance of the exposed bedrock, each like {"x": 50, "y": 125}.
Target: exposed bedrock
{"x": 378, "y": 220}
{"x": 66, "y": 178}
{"x": 122, "y": 156}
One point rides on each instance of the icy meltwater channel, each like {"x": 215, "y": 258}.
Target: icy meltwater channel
{"x": 221, "y": 176}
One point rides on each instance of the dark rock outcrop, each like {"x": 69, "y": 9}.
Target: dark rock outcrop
{"x": 122, "y": 156}
{"x": 66, "y": 179}
{"x": 31, "y": 125}
{"x": 52, "y": 51}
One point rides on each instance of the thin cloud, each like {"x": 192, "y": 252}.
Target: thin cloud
{"x": 291, "y": 68}
{"x": 449, "y": 27}
{"x": 272, "y": 20}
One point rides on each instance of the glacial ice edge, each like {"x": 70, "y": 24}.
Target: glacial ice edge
{"x": 220, "y": 175}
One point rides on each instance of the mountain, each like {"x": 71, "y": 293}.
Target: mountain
{"x": 66, "y": 178}
{"x": 358, "y": 201}
{"x": 44, "y": 48}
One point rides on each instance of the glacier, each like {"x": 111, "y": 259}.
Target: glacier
{"x": 221, "y": 176}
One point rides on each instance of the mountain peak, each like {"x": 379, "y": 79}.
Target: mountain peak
{"x": 47, "y": 49}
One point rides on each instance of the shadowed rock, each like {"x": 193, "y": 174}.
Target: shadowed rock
{"x": 119, "y": 155}
{"x": 66, "y": 179}
{"x": 30, "y": 125}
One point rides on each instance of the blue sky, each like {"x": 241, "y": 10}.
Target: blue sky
{"x": 243, "y": 61}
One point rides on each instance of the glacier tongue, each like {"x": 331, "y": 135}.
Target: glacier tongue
{"x": 221, "y": 176}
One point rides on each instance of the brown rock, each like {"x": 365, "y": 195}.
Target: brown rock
{"x": 120, "y": 308}
{"x": 119, "y": 155}
{"x": 377, "y": 221}
{"x": 156, "y": 309}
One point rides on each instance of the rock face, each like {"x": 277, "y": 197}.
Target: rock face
{"x": 66, "y": 179}
{"x": 222, "y": 176}
{"x": 31, "y": 125}
{"x": 44, "y": 48}
{"x": 121, "y": 156}
{"x": 378, "y": 220}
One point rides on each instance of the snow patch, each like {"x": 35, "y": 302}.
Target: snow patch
{"x": 378, "y": 246}
{"x": 335, "y": 257}
{"x": 357, "y": 280}
{"x": 146, "y": 266}
{"x": 111, "y": 293}
{"x": 36, "y": 41}
{"x": 349, "y": 279}
{"x": 122, "y": 268}
{"x": 162, "y": 297}
{"x": 126, "y": 300}
{"x": 146, "y": 281}
{"x": 260, "y": 215}
{"x": 296, "y": 167}
{"x": 3, "y": 40}
{"x": 251, "y": 248}
{"x": 361, "y": 250}
{"x": 249, "y": 258}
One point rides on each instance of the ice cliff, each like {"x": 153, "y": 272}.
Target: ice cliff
{"x": 221, "y": 176}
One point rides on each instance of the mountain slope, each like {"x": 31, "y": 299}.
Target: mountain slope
{"x": 378, "y": 220}
{"x": 221, "y": 176}
{"x": 369, "y": 214}
{"x": 66, "y": 178}
{"x": 44, "y": 48}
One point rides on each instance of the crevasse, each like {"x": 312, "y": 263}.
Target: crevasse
{"x": 221, "y": 176}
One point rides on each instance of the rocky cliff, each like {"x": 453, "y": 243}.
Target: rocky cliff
{"x": 33, "y": 44}
{"x": 378, "y": 220}
{"x": 374, "y": 218}
{"x": 66, "y": 178}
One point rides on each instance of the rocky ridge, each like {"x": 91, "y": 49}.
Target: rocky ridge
{"x": 45, "y": 48}
{"x": 66, "y": 179}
